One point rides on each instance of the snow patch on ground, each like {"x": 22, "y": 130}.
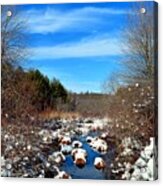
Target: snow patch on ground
{"x": 145, "y": 167}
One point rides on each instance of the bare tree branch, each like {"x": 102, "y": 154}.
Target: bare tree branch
{"x": 139, "y": 44}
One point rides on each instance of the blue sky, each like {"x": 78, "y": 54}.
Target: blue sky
{"x": 79, "y": 44}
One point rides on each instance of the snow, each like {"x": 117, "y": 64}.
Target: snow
{"x": 145, "y": 165}
{"x": 99, "y": 145}
{"x": 66, "y": 148}
{"x": 57, "y": 157}
{"x": 99, "y": 162}
{"x": 77, "y": 144}
{"x": 66, "y": 140}
{"x": 62, "y": 174}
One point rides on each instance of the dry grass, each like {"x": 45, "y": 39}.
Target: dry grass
{"x": 51, "y": 114}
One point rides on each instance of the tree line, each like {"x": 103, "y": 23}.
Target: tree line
{"x": 31, "y": 91}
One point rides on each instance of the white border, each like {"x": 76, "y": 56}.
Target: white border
{"x": 42, "y": 182}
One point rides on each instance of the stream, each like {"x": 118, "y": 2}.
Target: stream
{"x": 88, "y": 171}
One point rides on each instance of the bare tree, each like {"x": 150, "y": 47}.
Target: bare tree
{"x": 111, "y": 84}
{"x": 13, "y": 44}
{"x": 13, "y": 52}
{"x": 140, "y": 44}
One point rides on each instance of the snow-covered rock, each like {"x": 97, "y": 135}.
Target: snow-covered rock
{"x": 89, "y": 139}
{"x": 66, "y": 149}
{"x": 66, "y": 140}
{"x": 140, "y": 163}
{"x": 99, "y": 163}
{"x": 83, "y": 130}
{"x": 77, "y": 144}
{"x": 99, "y": 145}
{"x": 103, "y": 135}
{"x": 57, "y": 157}
{"x": 145, "y": 167}
{"x": 80, "y": 151}
{"x": 62, "y": 175}
{"x": 46, "y": 136}
{"x": 79, "y": 156}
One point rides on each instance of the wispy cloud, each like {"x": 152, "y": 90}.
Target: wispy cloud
{"x": 91, "y": 47}
{"x": 51, "y": 20}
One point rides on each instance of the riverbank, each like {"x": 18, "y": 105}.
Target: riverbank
{"x": 45, "y": 149}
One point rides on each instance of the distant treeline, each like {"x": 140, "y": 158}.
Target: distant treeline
{"x": 92, "y": 104}
{"x": 30, "y": 92}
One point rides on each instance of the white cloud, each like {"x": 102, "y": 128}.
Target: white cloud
{"x": 52, "y": 20}
{"x": 92, "y": 47}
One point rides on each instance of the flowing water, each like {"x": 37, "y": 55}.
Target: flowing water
{"x": 88, "y": 171}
